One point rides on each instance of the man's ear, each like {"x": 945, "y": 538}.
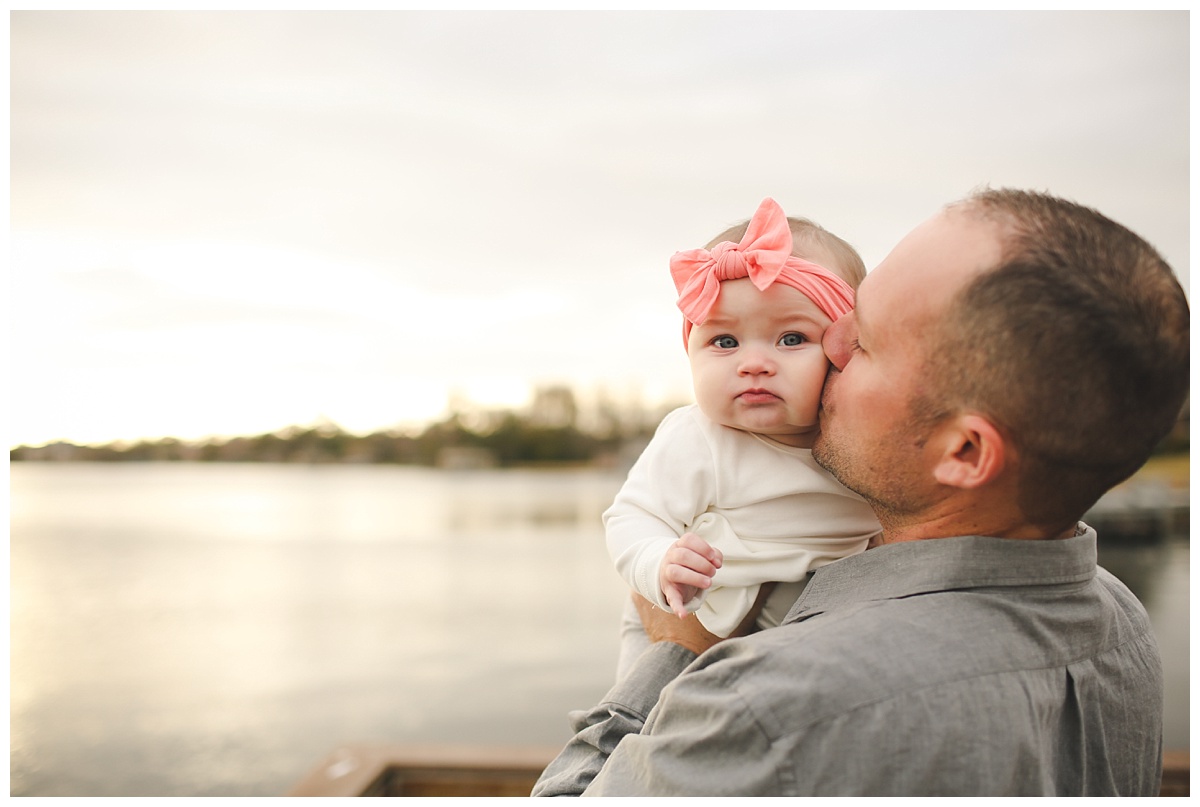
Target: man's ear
{"x": 973, "y": 453}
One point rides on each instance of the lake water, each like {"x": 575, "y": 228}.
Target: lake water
{"x": 213, "y": 629}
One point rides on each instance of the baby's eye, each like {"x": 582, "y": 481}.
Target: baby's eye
{"x": 792, "y": 339}
{"x": 725, "y": 342}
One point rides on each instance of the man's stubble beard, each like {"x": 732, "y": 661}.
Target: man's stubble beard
{"x": 889, "y": 477}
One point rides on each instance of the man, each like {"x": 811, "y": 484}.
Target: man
{"x": 1013, "y": 358}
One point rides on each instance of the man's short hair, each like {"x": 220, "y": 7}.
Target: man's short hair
{"x": 1076, "y": 345}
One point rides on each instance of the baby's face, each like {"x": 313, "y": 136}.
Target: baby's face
{"x": 757, "y": 362}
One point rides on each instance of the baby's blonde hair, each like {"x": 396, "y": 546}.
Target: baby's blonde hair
{"x": 805, "y": 235}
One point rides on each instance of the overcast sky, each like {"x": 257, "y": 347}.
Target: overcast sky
{"x": 226, "y": 223}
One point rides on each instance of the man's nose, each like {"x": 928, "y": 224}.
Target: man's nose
{"x": 837, "y": 339}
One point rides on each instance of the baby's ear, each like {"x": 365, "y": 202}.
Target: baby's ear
{"x": 973, "y": 452}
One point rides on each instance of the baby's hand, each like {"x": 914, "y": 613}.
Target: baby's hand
{"x": 688, "y": 566}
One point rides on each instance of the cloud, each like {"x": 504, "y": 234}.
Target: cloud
{"x": 367, "y": 197}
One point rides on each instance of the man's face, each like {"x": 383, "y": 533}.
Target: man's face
{"x": 868, "y": 439}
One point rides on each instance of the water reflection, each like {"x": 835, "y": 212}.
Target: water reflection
{"x": 190, "y": 630}
{"x": 207, "y": 629}
{"x": 525, "y": 500}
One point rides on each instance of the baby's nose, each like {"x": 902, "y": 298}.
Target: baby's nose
{"x": 756, "y": 362}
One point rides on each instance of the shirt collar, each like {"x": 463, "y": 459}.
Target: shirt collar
{"x": 918, "y": 567}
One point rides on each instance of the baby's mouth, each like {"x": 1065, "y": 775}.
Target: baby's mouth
{"x": 758, "y": 396}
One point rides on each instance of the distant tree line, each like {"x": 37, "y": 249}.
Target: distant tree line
{"x": 551, "y": 431}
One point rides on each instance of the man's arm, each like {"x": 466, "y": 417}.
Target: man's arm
{"x": 625, "y": 709}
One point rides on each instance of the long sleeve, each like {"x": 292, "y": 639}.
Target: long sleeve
{"x": 623, "y": 711}
{"x": 684, "y": 746}
{"x": 770, "y": 509}
{"x": 671, "y": 483}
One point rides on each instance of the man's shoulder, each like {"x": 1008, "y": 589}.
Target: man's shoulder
{"x": 985, "y": 678}
{"x": 842, "y": 654}
{"x": 881, "y": 651}
{"x": 801, "y": 673}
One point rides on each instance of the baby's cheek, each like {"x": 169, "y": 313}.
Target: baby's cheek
{"x": 815, "y": 369}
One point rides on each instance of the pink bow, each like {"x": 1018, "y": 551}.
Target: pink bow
{"x": 765, "y": 256}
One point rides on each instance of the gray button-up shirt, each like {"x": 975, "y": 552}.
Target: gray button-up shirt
{"x": 956, "y": 666}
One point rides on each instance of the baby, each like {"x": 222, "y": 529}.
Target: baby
{"x": 726, "y": 497}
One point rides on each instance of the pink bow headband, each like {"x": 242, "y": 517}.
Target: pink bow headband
{"x": 765, "y": 256}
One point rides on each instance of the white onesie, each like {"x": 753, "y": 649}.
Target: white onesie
{"x": 771, "y": 510}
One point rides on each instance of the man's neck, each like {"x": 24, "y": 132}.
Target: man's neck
{"x": 967, "y": 521}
